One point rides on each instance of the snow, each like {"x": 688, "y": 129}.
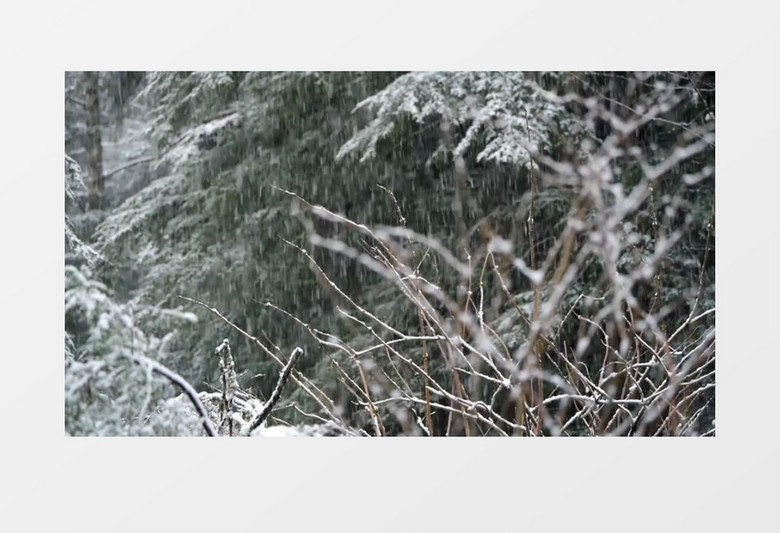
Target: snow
{"x": 511, "y": 112}
{"x": 328, "y": 429}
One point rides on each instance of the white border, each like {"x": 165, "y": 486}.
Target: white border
{"x": 730, "y": 483}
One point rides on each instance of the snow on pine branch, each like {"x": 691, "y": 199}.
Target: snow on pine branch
{"x": 188, "y": 144}
{"x": 137, "y": 210}
{"x": 500, "y": 108}
{"x": 74, "y": 182}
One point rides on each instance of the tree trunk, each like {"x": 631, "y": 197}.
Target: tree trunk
{"x": 93, "y": 141}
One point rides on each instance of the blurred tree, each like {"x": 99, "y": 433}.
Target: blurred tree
{"x": 94, "y": 145}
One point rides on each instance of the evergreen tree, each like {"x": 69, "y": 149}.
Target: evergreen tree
{"x": 455, "y": 253}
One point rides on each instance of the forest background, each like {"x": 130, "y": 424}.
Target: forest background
{"x": 457, "y": 253}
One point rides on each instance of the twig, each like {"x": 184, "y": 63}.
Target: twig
{"x": 301, "y": 381}
{"x": 276, "y": 394}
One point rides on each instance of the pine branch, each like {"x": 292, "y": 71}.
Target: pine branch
{"x": 127, "y": 165}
